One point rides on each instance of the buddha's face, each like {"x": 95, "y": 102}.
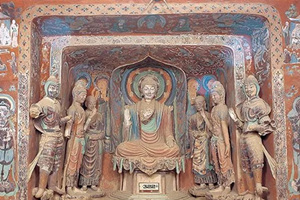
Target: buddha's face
{"x": 53, "y": 90}
{"x": 250, "y": 90}
{"x": 149, "y": 91}
{"x": 216, "y": 97}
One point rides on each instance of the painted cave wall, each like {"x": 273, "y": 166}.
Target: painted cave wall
{"x": 223, "y": 40}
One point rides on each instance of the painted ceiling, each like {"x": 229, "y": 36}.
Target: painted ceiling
{"x": 194, "y": 60}
{"x": 237, "y": 24}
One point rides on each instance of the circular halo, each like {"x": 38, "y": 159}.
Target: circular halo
{"x": 99, "y": 77}
{"x": 138, "y": 78}
{"x": 206, "y": 79}
{"x": 5, "y": 98}
{"x": 134, "y": 77}
{"x": 86, "y": 76}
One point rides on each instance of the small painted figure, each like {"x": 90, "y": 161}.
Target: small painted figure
{"x": 76, "y": 143}
{"x": 220, "y": 142}
{"x": 295, "y": 36}
{"x": 13, "y": 63}
{"x": 183, "y": 25}
{"x": 14, "y": 29}
{"x": 3, "y": 66}
{"x": 199, "y": 130}
{"x": 4, "y": 35}
{"x": 147, "y": 127}
{"x": 252, "y": 116}
{"x": 7, "y": 145}
{"x": 120, "y": 26}
{"x": 151, "y": 21}
{"x": 91, "y": 168}
{"x": 47, "y": 120}
{"x": 294, "y": 118}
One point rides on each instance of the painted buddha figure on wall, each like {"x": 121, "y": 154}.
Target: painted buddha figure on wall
{"x": 147, "y": 126}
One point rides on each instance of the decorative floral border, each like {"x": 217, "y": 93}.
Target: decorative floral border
{"x": 267, "y": 11}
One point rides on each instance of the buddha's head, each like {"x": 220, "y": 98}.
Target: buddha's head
{"x": 251, "y": 87}
{"x": 217, "y": 93}
{"x": 79, "y": 93}
{"x": 52, "y": 87}
{"x": 200, "y": 103}
{"x": 148, "y": 87}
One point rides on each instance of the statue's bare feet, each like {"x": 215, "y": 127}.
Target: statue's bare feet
{"x": 57, "y": 190}
{"x": 226, "y": 191}
{"x": 94, "y": 187}
{"x": 84, "y": 188}
{"x": 34, "y": 191}
{"x": 249, "y": 197}
{"x": 219, "y": 189}
{"x": 211, "y": 186}
{"x": 73, "y": 191}
{"x": 39, "y": 193}
{"x": 259, "y": 189}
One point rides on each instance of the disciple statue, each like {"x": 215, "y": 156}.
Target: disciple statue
{"x": 91, "y": 168}
{"x": 199, "y": 130}
{"x": 47, "y": 120}
{"x": 7, "y": 144}
{"x": 252, "y": 116}
{"x": 220, "y": 141}
{"x": 147, "y": 127}
{"x": 76, "y": 144}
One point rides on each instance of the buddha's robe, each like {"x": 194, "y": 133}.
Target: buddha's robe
{"x": 146, "y": 137}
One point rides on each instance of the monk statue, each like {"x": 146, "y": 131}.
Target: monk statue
{"x": 91, "y": 167}
{"x": 76, "y": 143}
{"x": 252, "y": 117}
{"x": 47, "y": 120}
{"x": 220, "y": 142}
{"x": 199, "y": 130}
{"x": 148, "y": 127}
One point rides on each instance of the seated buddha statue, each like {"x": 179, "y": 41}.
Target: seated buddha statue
{"x": 147, "y": 127}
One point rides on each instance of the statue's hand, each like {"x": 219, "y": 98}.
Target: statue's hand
{"x": 34, "y": 111}
{"x": 170, "y": 141}
{"x": 94, "y": 111}
{"x": 232, "y": 114}
{"x": 127, "y": 118}
{"x": 202, "y": 113}
{"x": 227, "y": 151}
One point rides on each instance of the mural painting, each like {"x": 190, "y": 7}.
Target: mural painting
{"x": 8, "y": 182}
{"x": 292, "y": 113}
{"x": 9, "y": 32}
{"x": 105, "y": 77}
{"x": 291, "y": 34}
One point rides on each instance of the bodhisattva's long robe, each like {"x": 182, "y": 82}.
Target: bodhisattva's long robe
{"x": 222, "y": 163}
